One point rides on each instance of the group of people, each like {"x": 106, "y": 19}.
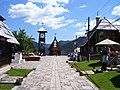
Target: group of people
{"x": 105, "y": 57}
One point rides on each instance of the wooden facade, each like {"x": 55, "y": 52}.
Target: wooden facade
{"x": 5, "y": 53}
{"x": 54, "y": 48}
{"x": 104, "y": 30}
{"x": 7, "y": 41}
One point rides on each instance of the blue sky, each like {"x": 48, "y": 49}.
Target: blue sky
{"x": 66, "y": 18}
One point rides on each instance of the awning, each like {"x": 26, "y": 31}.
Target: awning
{"x": 107, "y": 42}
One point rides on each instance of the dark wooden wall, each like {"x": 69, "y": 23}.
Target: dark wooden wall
{"x": 98, "y": 36}
{"x": 5, "y": 53}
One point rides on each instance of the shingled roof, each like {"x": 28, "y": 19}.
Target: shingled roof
{"x": 6, "y": 33}
{"x": 103, "y": 24}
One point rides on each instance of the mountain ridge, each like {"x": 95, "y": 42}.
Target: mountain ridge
{"x": 66, "y": 46}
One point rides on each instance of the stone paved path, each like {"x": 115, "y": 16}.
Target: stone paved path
{"x": 53, "y": 73}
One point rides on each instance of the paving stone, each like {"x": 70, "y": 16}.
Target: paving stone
{"x": 3, "y": 75}
{"x": 8, "y": 79}
{"x": 5, "y": 69}
{"x": 53, "y": 73}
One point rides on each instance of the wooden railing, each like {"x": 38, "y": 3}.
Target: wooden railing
{"x": 113, "y": 61}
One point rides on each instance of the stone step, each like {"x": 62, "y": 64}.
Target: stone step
{"x": 9, "y": 79}
{"x": 3, "y": 75}
{"x": 118, "y": 66}
{"x": 87, "y": 72}
{"x": 114, "y": 68}
{"x": 5, "y": 69}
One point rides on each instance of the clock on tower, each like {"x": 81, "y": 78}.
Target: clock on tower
{"x": 42, "y": 35}
{"x": 41, "y": 42}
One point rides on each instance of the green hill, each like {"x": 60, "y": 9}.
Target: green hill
{"x": 69, "y": 46}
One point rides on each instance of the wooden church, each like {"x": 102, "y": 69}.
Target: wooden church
{"x": 54, "y": 48}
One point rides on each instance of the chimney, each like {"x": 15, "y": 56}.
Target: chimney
{"x": 97, "y": 19}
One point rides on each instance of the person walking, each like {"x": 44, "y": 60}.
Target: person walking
{"x": 105, "y": 57}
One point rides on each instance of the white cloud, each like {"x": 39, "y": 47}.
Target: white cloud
{"x": 55, "y": 23}
{"x": 78, "y": 25}
{"x": 51, "y": 15}
{"x": 116, "y": 10}
{"x": 83, "y": 27}
{"x": 80, "y": 33}
{"x": 83, "y": 6}
{"x": 51, "y": 2}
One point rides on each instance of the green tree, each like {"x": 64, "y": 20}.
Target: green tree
{"x": 26, "y": 42}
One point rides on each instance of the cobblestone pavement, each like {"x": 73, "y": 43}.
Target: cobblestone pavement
{"x": 25, "y": 65}
{"x": 53, "y": 73}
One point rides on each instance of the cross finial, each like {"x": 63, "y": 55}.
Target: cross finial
{"x": 42, "y": 24}
{"x": 55, "y": 34}
{"x": 97, "y": 13}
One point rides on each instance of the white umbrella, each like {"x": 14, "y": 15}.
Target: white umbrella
{"x": 107, "y": 42}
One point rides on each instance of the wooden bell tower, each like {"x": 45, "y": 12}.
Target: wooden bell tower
{"x": 41, "y": 42}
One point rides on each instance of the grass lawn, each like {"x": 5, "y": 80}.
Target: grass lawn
{"x": 19, "y": 72}
{"x": 85, "y": 65}
{"x": 6, "y": 86}
{"x": 106, "y": 80}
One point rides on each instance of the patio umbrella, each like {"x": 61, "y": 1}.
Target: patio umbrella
{"x": 107, "y": 42}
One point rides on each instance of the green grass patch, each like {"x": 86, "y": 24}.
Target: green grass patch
{"x": 19, "y": 72}
{"x": 14, "y": 72}
{"x": 106, "y": 80}
{"x": 85, "y": 65}
{"x": 6, "y": 86}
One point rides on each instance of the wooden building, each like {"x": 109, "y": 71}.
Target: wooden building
{"x": 102, "y": 30}
{"x": 7, "y": 40}
{"x": 54, "y": 48}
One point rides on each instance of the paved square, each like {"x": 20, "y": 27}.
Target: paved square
{"x": 53, "y": 73}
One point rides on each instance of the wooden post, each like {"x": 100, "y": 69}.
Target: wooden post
{"x": 88, "y": 48}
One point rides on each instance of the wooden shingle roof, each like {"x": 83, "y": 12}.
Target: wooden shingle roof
{"x": 6, "y": 33}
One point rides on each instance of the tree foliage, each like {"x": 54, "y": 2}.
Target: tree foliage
{"x": 26, "y": 42}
